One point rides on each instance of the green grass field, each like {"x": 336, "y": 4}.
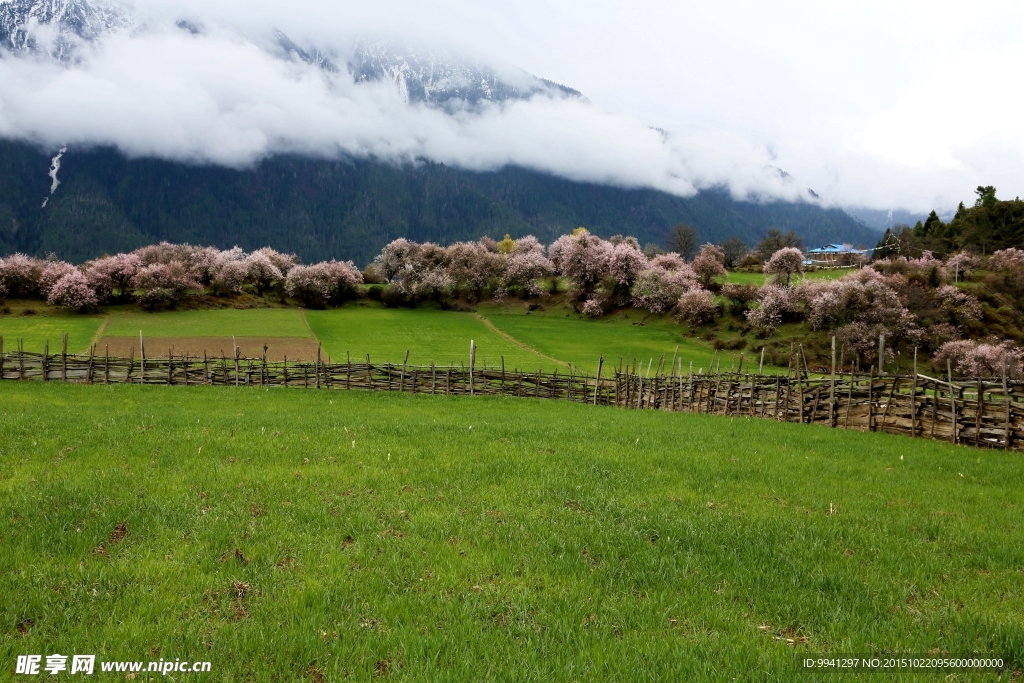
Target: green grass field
{"x": 429, "y": 335}
{"x": 321, "y": 536}
{"x": 582, "y": 341}
{"x": 744, "y": 278}
{"x": 36, "y": 330}
{"x": 257, "y": 322}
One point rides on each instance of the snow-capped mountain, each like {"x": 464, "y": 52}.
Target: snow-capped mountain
{"x": 427, "y": 75}
{"x": 55, "y": 27}
{"x": 439, "y": 78}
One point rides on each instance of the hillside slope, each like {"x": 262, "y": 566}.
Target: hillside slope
{"x": 348, "y": 209}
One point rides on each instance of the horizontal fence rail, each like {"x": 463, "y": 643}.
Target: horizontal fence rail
{"x": 987, "y": 413}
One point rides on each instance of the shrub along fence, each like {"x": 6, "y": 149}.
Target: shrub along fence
{"x": 979, "y": 412}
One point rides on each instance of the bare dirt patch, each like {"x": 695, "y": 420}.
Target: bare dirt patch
{"x": 295, "y": 348}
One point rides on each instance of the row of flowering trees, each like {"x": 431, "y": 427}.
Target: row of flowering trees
{"x": 602, "y": 274}
{"x": 909, "y": 300}
{"x": 164, "y": 274}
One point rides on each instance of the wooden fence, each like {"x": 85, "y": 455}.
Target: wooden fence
{"x": 976, "y": 412}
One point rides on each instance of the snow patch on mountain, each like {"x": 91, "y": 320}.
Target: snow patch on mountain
{"x": 57, "y": 27}
{"x": 440, "y": 78}
{"x": 54, "y": 168}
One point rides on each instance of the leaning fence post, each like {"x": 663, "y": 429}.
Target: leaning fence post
{"x": 760, "y": 367}
{"x": 46, "y": 360}
{"x": 64, "y": 357}
{"x": 597, "y": 381}
{"x": 142, "y": 351}
{"x": 1, "y": 356}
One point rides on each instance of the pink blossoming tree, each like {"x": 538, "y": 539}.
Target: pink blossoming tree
{"x": 72, "y": 291}
{"x": 785, "y": 263}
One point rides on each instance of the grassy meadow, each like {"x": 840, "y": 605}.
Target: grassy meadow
{"x": 581, "y": 341}
{"x": 220, "y": 322}
{"x": 747, "y": 278}
{"x": 326, "y": 536}
{"x": 430, "y": 335}
{"x": 36, "y": 330}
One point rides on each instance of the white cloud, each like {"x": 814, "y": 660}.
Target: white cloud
{"x": 884, "y": 106}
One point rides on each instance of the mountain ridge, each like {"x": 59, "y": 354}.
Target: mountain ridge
{"x": 350, "y": 208}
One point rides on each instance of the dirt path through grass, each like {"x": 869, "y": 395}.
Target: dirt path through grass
{"x": 99, "y": 332}
{"x": 523, "y": 345}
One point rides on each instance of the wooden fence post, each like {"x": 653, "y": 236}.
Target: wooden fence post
{"x": 1, "y": 357}
{"x": 1007, "y": 438}
{"x": 264, "y": 376}
{"x": 888, "y": 402}
{"x": 799, "y": 379}
{"x": 46, "y": 360}
{"x": 832, "y": 389}
{"x": 316, "y": 366}
{"x": 935, "y": 405}
{"x": 401, "y": 378}
{"x": 472, "y": 363}
{"x": 978, "y": 409}
{"x": 881, "y": 353}
{"x": 760, "y": 366}
{"x": 64, "y": 357}
{"x": 913, "y": 399}
{"x": 871, "y": 399}
{"x": 597, "y": 381}
{"x": 689, "y": 397}
{"x": 952, "y": 398}
{"x": 142, "y": 356}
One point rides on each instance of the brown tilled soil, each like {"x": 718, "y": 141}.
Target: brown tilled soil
{"x": 295, "y": 348}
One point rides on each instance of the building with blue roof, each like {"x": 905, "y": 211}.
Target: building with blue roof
{"x": 831, "y": 255}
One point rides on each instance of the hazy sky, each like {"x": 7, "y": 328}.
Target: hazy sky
{"x": 878, "y": 104}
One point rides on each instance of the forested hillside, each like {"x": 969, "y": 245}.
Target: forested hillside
{"x": 348, "y": 209}
{"x": 987, "y": 226}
